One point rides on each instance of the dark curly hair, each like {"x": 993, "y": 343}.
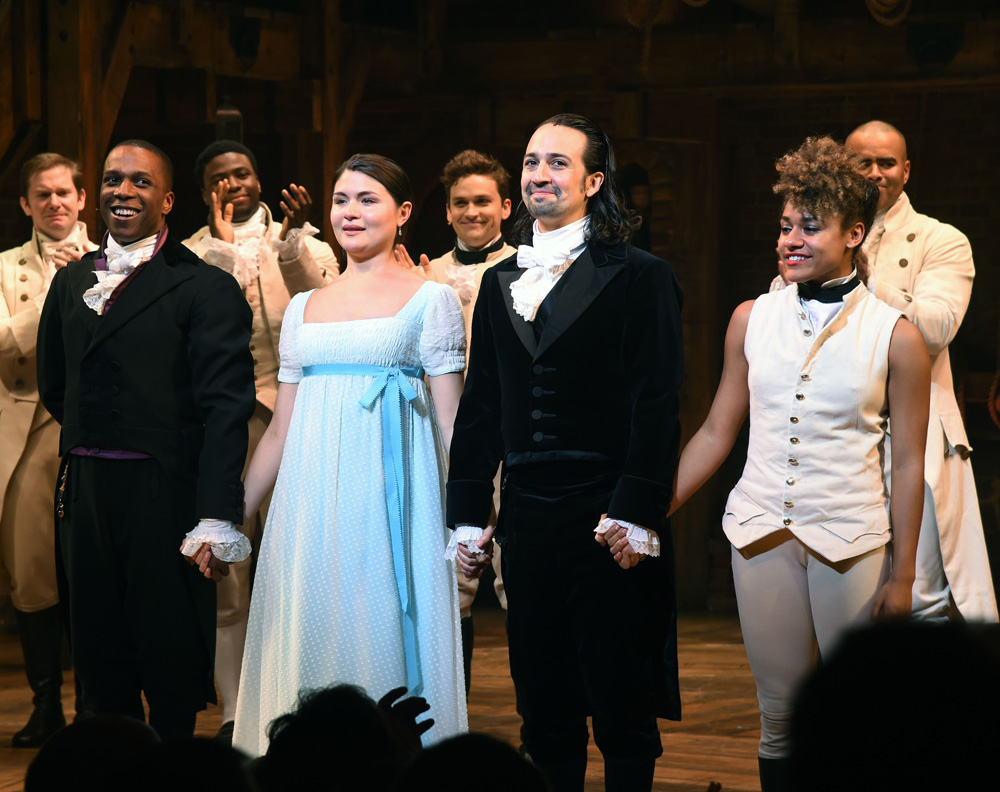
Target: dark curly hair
{"x": 217, "y": 148}
{"x": 820, "y": 177}
{"x": 611, "y": 221}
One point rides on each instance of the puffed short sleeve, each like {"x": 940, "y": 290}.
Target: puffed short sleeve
{"x": 442, "y": 339}
{"x": 291, "y": 370}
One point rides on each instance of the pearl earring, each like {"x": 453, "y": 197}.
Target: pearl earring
{"x": 399, "y": 231}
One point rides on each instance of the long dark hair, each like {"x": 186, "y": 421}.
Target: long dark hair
{"x": 386, "y": 172}
{"x": 611, "y": 221}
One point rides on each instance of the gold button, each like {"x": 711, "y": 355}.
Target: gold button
{"x": 802, "y": 316}
{"x": 805, "y": 378}
{"x": 22, "y": 262}
{"x": 903, "y": 262}
{"x": 789, "y": 481}
{"x": 793, "y": 419}
{"x": 794, "y": 440}
{"x": 908, "y": 298}
{"x": 24, "y": 298}
{"x": 24, "y": 277}
{"x": 787, "y": 521}
{"x": 18, "y": 384}
{"x": 793, "y": 462}
{"x": 807, "y": 332}
{"x": 910, "y": 237}
{"x": 789, "y": 504}
{"x": 799, "y": 396}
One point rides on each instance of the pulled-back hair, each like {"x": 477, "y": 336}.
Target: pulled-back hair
{"x": 161, "y": 155}
{"x": 475, "y": 163}
{"x": 48, "y": 161}
{"x": 215, "y": 149}
{"x": 386, "y": 172}
{"x": 820, "y": 177}
{"x": 611, "y": 221}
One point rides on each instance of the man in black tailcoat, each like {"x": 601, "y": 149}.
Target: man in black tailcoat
{"x": 572, "y": 384}
{"x": 143, "y": 358}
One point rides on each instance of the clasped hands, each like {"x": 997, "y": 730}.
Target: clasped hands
{"x": 616, "y": 540}
{"x": 210, "y": 566}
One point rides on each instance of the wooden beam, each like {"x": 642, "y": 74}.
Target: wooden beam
{"x": 115, "y": 78}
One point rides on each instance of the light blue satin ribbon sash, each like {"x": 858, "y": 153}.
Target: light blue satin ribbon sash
{"x": 391, "y": 381}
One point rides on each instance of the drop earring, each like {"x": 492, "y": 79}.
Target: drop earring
{"x": 399, "y": 231}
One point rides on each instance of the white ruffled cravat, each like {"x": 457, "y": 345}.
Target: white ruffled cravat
{"x": 121, "y": 263}
{"x": 545, "y": 260}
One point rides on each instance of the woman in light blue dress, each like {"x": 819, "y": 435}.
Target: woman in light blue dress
{"x": 352, "y": 584}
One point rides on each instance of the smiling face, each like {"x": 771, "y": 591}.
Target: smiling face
{"x": 244, "y": 186}
{"x": 365, "y": 217}
{"x": 555, "y": 184}
{"x": 881, "y": 158}
{"x": 476, "y": 210}
{"x": 53, "y": 202}
{"x": 135, "y": 194}
{"x": 816, "y": 250}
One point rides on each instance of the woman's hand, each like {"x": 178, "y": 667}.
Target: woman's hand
{"x": 893, "y": 600}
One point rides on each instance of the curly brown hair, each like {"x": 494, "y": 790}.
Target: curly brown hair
{"x": 475, "y": 163}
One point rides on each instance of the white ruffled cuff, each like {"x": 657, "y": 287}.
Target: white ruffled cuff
{"x": 468, "y": 535}
{"x": 227, "y": 543}
{"x": 642, "y": 540}
{"x": 290, "y": 248}
{"x": 240, "y": 259}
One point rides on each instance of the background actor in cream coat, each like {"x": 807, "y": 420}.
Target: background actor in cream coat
{"x": 272, "y": 262}
{"x": 478, "y": 190}
{"x": 52, "y": 196}
{"x": 924, "y": 268}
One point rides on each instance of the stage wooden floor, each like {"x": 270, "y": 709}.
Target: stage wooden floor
{"x": 716, "y": 741}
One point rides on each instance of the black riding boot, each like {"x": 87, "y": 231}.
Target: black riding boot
{"x": 41, "y": 640}
{"x": 773, "y": 774}
{"x": 468, "y": 640}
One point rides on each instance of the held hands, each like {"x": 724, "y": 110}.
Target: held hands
{"x": 404, "y": 260}
{"x": 474, "y": 564}
{"x": 210, "y": 566}
{"x": 893, "y": 600}
{"x": 296, "y": 204}
{"x": 617, "y": 542}
{"x": 220, "y": 218}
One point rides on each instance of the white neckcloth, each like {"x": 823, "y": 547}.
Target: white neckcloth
{"x": 545, "y": 260}
{"x": 821, "y": 313}
{"x": 122, "y": 261}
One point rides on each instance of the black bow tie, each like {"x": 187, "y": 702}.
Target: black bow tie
{"x": 477, "y": 256}
{"x": 827, "y": 294}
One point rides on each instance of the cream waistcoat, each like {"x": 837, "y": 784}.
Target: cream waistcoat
{"x": 818, "y": 412}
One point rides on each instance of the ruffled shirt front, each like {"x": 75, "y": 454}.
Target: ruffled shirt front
{"x": 545, "y": 260}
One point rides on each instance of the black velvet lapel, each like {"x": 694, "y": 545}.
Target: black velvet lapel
{"x": 588, "y": 275}
{"x": 523, "y": 329}
{"x": 152, "y": 282}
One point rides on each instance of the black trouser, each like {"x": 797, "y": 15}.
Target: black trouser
{"x": 141, "y": 618}
{"x": 586, "y": 637}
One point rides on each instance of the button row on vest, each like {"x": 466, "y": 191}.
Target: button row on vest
{"x": 807, "y": 332}
{"x": 805, "y": 377}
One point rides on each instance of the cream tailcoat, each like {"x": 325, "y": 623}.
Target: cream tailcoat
{"x": 25, "y": 424}
{"x": 924, "y": 268}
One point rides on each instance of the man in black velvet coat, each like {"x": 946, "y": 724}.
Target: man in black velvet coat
{"x": 572, "y": 384}
{"x": 143, "y": 358}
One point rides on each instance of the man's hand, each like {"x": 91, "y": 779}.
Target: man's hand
{"x": 474, "y": 564}
{"x": 296, "y": 204}
{"x": 220, "y": 216}
{"x": 617, "y": 542}
{"x": 404, "y": 260}
{"x": 63, "y": 256}
{"x": 210, "y": 566}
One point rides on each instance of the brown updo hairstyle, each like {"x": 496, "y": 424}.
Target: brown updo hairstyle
{"x": 820, "y": 177}
{"x": 386, "y": 172}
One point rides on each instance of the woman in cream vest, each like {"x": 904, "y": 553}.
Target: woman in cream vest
{"x": 817, "y": 547}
